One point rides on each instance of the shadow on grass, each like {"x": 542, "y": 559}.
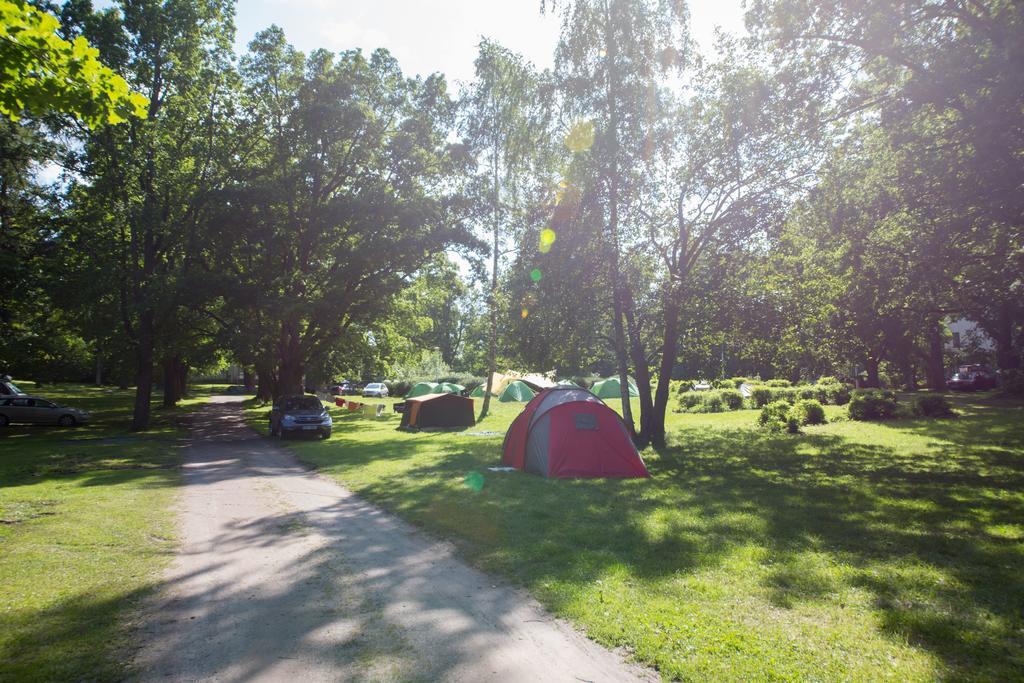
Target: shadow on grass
{"x": 934, "y": 537}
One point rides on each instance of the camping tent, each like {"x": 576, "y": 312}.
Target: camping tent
{"x": 609, "y": 388}
{"x": 568, "y": 432}
{"x": 479, "y": 391}
{"x": 566, "y": 383}
{"x": 421, "y": 389}
{"x": 438, "y": 410}
{"x": 537, "y": 381}
{"x": 449, "y": 388}
{"x": 516, "y": 391}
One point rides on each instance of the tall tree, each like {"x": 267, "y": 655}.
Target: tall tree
{"x": 608, "y": 62}
{"x": 347, "y": 198}
{"x": 505, "y": 120}
{"x": 156, "y": 173}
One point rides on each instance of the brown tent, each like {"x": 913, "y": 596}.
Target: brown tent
{"x": 438, "y": 410}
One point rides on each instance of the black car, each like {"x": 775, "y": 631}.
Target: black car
{"x": 300, "y": 415}
{"x": 972, "y": 378}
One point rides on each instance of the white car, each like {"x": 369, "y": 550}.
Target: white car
{"x": 378, "y": 389}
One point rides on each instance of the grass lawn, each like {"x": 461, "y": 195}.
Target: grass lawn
{"x": 852, "y": 552}
{"x": 84, "y": 528}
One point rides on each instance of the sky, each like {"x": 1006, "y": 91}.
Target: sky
{"x": 441, "y": 35}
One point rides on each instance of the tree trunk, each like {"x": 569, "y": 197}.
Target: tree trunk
{"x": 871, "y": 367}
{"x": 669, "y": 351}
{"x": 492, "y": 303}
{"x": 909, "y": 373}
{"x": 935, "y": 367}
{"x": 1007, "y": 357}
{"x": 643, "y": 374}
{"x": 247, "y": 379}
{"x": 266, "y": 381}
{"x": 182, "y": 379}
{"x": 290, "y": 362}
{"x": 99, "y": 367}
{"x": 143, "y": 370}
{"x": 170, "y": 368}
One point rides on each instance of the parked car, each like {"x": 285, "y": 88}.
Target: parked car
{"x": 300, "y": 415}
{"x": 9, "y": 388}
{"x": 972, "y": 378}
{"x": 345, "y": 388}
{"x": 37, "y": 410}
{"x": 378, "y": 389}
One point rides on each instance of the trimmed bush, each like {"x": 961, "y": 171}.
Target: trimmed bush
{"x": 778, "y": 417}
{"x": 400, "y": 388}
{"x": 761, "y": 396}
{"x": 724, "y": 384}
{"x": 807, "y": 393}
{"x": 732, "y": 398}
{"x": 714, "y": 401}
{"x": 873, "y": 404}
{"x": 933, "y": 405}
{"x": 808, "y": 412}
{"x": 712, "y": 404}
{"x": 832, "y": 394}
{"x": 744, "y": 380}
{"x": 778, "y": 383}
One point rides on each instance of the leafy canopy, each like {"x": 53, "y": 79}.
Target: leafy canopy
{"x": 44, "y": 73}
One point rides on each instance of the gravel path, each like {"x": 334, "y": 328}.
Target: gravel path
{"x": 285, "y": 575}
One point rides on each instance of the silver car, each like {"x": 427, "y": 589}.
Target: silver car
{"x": 36, "y": 410}
{"x": 378, "y": 389}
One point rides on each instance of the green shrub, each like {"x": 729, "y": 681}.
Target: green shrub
{"x": 828, "y": 379}
{"x": 873, "y": 404}
{"x": 933, "y": 405}
{"x": 778, "y": 383}
{"x": 778, "y": 417}
{"x": 808, "y": 412}
{"x": 688, "y": 400}
{"x": 807, "y": 393}
{"x": 761, "y": 396}
{"x": 1011, "y": 383}
{"x": 724, "y": 384}
{"x": 732, "y": 398}
{"x": 400, "y": 388}
{"x": 744, "y": 380}
{"x": 712, "y": 403}
{"x": 833, "y": 394}
{"x": 683, "y": 385}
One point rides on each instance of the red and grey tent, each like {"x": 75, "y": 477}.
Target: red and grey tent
{"x": 567, "y": 432}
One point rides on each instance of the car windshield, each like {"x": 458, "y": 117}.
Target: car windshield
{"x": 373, "y": 386}
{"x": 303, "y": 403}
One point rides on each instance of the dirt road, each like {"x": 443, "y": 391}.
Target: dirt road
{"x": 284, "y": 575}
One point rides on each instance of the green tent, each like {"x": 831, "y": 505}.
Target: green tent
{"x": 448, "y": 388}
{"x": 478, "y": 392}
{"x": 609, "y": 388}
{"x": 516, "y": 391}
{"x": 421, "y": 389}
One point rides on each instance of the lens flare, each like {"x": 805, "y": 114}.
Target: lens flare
{"x": 580, "y": 137}
{"x": 536, "y": 275}
{"x": 474, "y": 481}
{"x": 547, "y": 238}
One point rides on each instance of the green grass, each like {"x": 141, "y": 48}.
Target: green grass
{"x": 854, "y": 551}
{"x": 84, "y": 528}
